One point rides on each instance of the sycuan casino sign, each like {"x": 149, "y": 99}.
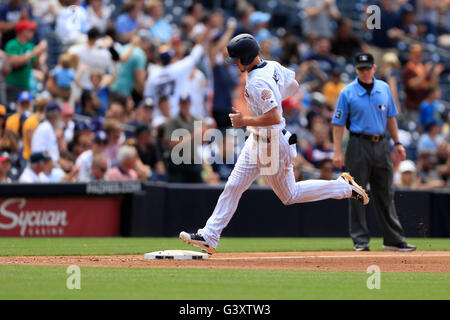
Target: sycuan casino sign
{"x": 61, "y": 217}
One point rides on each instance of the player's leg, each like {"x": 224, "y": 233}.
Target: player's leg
{"x": 243, "y": 175}
{"x": 290, "y": 192}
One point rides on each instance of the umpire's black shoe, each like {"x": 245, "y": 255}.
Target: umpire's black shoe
{"x": 402, "y": 247}
{"x": 361, "y": 247}
{"x": 196, "y": 240}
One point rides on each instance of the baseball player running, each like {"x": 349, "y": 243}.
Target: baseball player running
{"x": 268, "y": 84}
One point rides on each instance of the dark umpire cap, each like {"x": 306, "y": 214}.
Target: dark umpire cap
{"x": 40, "y": 156}
{"x": 243, "y": 47}
{"x": 364, "y": 60}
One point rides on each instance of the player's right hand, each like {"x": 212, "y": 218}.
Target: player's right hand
{"x": 338, "y": 160}
{"x": 237, "y": 118}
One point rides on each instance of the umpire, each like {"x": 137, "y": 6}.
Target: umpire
{"x": 367, "y": 109}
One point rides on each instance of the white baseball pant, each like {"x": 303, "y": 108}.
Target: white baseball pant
{"x": 283, "y": 184}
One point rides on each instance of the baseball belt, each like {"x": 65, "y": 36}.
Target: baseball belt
{"x": 292, "y": 139}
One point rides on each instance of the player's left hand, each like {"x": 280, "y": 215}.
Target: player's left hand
{"x": 237, "y": 118}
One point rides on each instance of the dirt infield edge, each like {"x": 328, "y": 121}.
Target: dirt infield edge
{"x": 432, "y": 261}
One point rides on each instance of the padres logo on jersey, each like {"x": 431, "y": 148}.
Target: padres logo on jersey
{"x": 266, "y": 95}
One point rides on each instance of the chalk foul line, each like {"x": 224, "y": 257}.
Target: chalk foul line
{"x": 336, "y": 257}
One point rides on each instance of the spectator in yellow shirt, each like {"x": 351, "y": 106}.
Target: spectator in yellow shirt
{"x": 2, "y": 120}
{"x": 23, "y": 111}
{"x": 333, "y": 88}
{"x": 32, "y": 123}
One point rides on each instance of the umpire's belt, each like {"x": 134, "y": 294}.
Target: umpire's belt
{"x": 292, "y": 138}
{"x": 373, "y": 138}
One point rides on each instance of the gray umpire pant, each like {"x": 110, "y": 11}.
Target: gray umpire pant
{"x": 370, "y": 162}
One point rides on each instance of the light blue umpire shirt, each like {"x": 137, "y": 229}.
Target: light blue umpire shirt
{"x": 367, "y": 114}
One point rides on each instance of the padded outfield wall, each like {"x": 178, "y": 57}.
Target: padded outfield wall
{"x": 163, "y": 210}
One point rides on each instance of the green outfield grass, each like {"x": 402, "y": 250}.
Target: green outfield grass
{"x": 38, "y": 282}
{"x": 19, "y": 282}
{"x": 112, "y": 246}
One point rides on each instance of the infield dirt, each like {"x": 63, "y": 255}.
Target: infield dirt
{"x": 420, "y": 261}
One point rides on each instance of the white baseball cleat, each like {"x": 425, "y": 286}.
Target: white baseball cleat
{"x": 196, "y": 240}
{"x": 358, "y": 192}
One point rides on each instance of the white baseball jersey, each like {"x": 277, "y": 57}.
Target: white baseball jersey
{"x": 44, "y": 140}
{"x": 267, "y": 85}
{"x": 196, "y": 86}
{"x": 171, "y": 81}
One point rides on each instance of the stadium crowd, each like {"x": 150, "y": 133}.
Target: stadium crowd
{"x": 93, "y": 90}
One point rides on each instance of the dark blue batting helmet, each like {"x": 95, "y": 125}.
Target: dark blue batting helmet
{"x": 243, "y": 47}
